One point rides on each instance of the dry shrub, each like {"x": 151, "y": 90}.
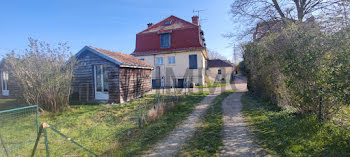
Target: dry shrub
{"x": 43, "y": 74}
{"x": 159, "y": 110}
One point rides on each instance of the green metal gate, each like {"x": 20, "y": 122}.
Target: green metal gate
{"x": 18, "y": 130}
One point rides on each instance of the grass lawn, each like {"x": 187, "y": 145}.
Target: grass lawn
{"x": 142, "y": 139}
{"x": 112, "y": 130}
{"x": 212, "y": 85}
{"x": 283, "y": 133}
{"x": 207, "y": 139}
{"x": 6, "y": 104}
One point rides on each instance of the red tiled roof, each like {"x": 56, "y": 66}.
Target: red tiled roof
{"x": 124, "y": 59}
{"x": 183, "y": 35}
{"x": 219, "y": 63}
{"x": 175, "y": 23}
{"x": 167, "y": 51}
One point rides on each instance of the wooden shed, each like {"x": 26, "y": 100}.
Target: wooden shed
{"x": 9, "y": 88}
{"x": 107, "y": 76}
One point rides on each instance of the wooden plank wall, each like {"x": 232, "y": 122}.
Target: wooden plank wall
{"x": 83, "y": 78}
{"x": 134, "y": 83}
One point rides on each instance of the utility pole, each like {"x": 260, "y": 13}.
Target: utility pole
{"x": 235, "y": 56}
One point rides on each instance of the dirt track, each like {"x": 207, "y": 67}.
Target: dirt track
{"x": 237, "y": 138}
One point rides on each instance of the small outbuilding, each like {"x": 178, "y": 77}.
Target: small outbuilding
{"x": 9, "y": 85}
{"x": 107, "y": 76}
{"x": 219, "y": 71}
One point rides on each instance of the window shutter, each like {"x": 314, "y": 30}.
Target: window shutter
{"x": 165, "y": 40}
{"x": 193, "y": 61}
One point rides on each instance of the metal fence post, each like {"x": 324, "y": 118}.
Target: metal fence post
{"x": 46, "y": 140}
{"x": 3, "y": 144}
{"x": 37, "y": 118}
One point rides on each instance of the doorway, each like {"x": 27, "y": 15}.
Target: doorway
{"x": 180, "y": 83}
{"x": 101, "y": 82}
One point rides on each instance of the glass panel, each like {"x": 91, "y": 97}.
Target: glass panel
{"x": 98, "y": 75}
{"x": 4, "y": 80}
{"x": 105, "y": 79}
{"x": 171, "y": 60}
{"x": 160, "y": 60}
{"x": 193, "y": 61}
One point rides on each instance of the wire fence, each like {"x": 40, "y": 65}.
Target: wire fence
{"x": 18, "y": 129}
{"x": 99, "y": 128}
{"x": 81, "y": 130}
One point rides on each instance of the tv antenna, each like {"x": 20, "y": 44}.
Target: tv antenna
{"x": 198, "y": 11}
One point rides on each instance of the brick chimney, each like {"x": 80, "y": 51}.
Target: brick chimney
{"x": 195, "y": 20}
{"x": 150, "y": 24}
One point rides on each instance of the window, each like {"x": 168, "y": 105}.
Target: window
{"x": 101, "y": 75}
{"x": 159, "y": 60}
{"x": 193, "y": 61}
{"x": 167, "y": 22}
{"x": 4, "y": 83}
{"x": 219, "y": 71}
{"x": 165, "y": 40}
{"x": 171, "y": 60}
{"x": 142, "y": 59}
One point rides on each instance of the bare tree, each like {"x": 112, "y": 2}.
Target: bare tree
{"x": 43, "y": 74}
{"x": 336, "y": 17}
{"x": 215, "y": 55}
{"x": 250, "y": 12}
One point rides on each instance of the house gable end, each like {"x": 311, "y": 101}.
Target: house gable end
{"x": 88, "y": 49}
{"x": 170, "y": 18}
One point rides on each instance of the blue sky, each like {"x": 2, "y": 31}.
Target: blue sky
{"x": 108, "y": 24}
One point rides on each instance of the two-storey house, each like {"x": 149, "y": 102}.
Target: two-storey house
{"x": 176, "y": 48}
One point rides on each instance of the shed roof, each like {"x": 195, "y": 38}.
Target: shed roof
{"x": 219, "y": 63}
{"x": 122, "y": 59}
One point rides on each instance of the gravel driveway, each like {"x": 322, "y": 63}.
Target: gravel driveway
{"x": 237, "y": 138}
{"x": 170, "y": 145}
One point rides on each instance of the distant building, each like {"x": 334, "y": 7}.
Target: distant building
{"x": 177, "y": 50}
{"x": 107, "y": 76}
{"x": 9, "y": 85}
{"x": 220, "y": 71}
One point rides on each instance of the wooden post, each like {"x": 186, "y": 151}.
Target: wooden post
{"x": 37, "y": 139}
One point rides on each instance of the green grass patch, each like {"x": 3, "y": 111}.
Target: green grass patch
{"x": 284, "y": 133}
{"x": 207, "y": 139}
{"x": 110, "y": 130}
{"x": 142, "y": 139}
{"x": 212, "y": 85}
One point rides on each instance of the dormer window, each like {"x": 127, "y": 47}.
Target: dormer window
{"x": 167, "y": 22}
{"x": 165, "y": 40}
